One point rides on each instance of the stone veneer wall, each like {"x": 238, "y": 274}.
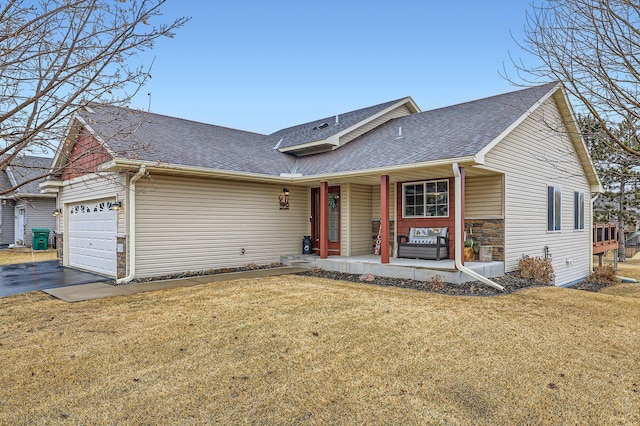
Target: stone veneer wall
{"x": 59, "y": 249}
{"x": 488, "y": 232}
{"x": 121, "y": 256}
{"x": 375, "y": 226}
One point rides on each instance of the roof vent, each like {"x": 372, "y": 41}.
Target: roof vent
{"x": 399, "y": 132}
{"x": 322, "y": 126}
{"x": 337, "y": 120}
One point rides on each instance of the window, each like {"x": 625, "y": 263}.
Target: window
{"x": 578, "y": 210}
{"x": 554, "y": 208}
{"x": 426, "y": 199}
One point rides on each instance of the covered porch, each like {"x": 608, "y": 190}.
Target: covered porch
{"x": 414, "y": 269}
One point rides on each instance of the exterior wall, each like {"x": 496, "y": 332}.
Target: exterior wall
{"x": 185, "y": 224}
{"x": 7, "y": 229}
{"x": 38, "y": 214}
{"x": 488, "y": 232}
{"x": 403, "y": 224}
{"x": 85, "y": 156}
{"x": 532, "y": 157}
{"x": 483, "y": 197}
{"x": 356, "y": 220}
{"x": 375, "y": 202}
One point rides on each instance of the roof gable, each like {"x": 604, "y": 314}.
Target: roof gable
{"x": 330, "y": 133}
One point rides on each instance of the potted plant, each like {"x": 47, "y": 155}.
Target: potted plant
{"x": 469, "y": 249}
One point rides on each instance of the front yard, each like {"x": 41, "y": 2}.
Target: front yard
{"x": 301, "y": 350}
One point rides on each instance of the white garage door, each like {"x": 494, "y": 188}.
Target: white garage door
{"x": 92, "y": 236}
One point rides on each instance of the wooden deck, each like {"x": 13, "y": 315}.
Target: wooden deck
{"x": 605, "y": 237}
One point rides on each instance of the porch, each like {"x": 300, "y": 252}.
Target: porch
{"x": 415, "y": 269}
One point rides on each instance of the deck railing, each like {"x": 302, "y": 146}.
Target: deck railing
{"x": 605, "y": 237}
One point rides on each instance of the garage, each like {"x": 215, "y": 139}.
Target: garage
{"x": 92, "y": 236}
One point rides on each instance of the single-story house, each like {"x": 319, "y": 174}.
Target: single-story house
{"x": 145, "y": 195}
{"x": 25, "y": 207}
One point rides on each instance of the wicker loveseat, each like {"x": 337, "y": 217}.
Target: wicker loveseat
{"x": 424, "y": 243}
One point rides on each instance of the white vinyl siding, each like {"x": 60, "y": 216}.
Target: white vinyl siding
{"x": 356, "y": 220}
{"x": 533, "y": 156}
{"x": 483, "y": 197}
{"x": 185, "y": 224}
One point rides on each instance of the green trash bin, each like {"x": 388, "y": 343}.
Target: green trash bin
{"x": 40, "y": 238}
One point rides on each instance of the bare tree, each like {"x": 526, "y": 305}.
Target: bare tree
{"x": 58, "y": 55}
{"x": 593, "y": 47}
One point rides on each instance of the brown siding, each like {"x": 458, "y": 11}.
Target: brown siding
{"x": 432, "y": 222}
{"x": 85, "y": 157}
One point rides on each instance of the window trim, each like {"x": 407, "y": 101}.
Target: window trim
{"x": 554, "y": 225}
{"x": 424, "y": 184}
{"x": 578, "y": 214}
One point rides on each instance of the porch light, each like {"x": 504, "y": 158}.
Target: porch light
{"x": 56, "y": 212}
{"x": 283, "y": 199}
{"x": 116, "y": 206}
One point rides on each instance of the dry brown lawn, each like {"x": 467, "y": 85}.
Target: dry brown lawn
{"x": 25, "y": 255}
{"x": 299, "y": 350}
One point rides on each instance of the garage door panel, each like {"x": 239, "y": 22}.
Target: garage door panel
{"x": 92, "y": 236}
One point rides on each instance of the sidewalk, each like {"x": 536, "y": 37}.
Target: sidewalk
{"x": 92, "y": 291}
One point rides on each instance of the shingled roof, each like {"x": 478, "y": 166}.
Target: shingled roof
{"x": 25, "y": 168}
{"x": 445, "y": 133}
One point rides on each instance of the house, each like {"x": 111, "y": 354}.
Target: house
{"x": 145, "y": 195}
{"x": 25, "y": 207}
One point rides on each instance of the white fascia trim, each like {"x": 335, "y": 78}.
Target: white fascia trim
{"x": 479, "y": 157}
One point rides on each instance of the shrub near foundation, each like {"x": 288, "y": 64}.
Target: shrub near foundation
{"x": 536, "y": 268}
{"x": 606, "y": 275}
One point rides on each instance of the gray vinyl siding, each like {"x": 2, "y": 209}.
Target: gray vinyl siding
{"x": 7, "y": 232}
{"x": 532, "y": 157}
{"x": 356, "y": 215}
{"x": 185, "y": 224}
{"x": 38, "y": 215}
{"x": 95, "y": 187}
{"x": 483, "y": 197}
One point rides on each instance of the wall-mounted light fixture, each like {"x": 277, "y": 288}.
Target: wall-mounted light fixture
{"x": 116, "y": 206}
{"x": 56, "y": 212}
{"x": 284, "y": 199}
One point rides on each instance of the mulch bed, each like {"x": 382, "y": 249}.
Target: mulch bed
{"x": 511, "y": 282}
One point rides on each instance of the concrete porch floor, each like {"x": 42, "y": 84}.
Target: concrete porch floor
{"x": 415, "y": 269}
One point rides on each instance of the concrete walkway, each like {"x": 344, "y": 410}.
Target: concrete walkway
{"x": 78, "y": 293}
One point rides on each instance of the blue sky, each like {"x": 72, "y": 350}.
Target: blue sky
{"x": 264, "y": 65}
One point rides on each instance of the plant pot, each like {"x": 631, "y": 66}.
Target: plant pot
{"x": 469, "y": 254}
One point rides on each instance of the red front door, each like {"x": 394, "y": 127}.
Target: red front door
{"x": 334, "y": 220}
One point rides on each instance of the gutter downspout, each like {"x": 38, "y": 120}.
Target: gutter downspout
{"x": 459, "y": 231}
{"x": 131, "y": 222}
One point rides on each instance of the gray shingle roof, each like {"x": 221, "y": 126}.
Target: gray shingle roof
{"x": 137, "y": 135}
{"x": 24, "y": 168}
{"x": 452, "y": 132}
{"x": 326, "y": 127}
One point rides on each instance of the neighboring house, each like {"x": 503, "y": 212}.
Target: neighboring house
{"x": 144, "y": 194}
{"x": 25, "y": 207}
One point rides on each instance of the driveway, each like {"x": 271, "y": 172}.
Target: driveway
{"x": 22, "y": 277}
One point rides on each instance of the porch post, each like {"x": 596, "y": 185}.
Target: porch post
{"x": 384, "y": 219}
{"x": 324, "y": 220}
{"x": 461, "y": 207}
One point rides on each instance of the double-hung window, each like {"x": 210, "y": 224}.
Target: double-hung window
{"x": 554, "y": 208}
{"x": 578, "y": 210}
{"x": 426, "y": 199}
